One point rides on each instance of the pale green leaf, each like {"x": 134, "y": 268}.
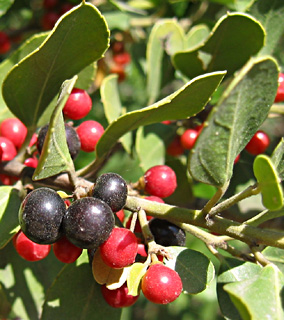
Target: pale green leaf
{"x": 242, "y": 109}
{"x": 259, "y": 297}
{"x": 269, "y": 182}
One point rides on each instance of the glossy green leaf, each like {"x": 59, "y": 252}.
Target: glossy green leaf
{"x": 242, "y": 109}
{"x": 277, "y": 158}
{"x": 275, "y": 255}
{"x": 76, "y": 295}
{"x": 233, "y": 270}
{"x": 86, "y": 77}
{"x": 166, "y": 35}
{"x": 9, "y": 206}
{"x": 270, "y": 14}
{"x": 196, "y": 36}
{"x": 269, "y": 182}
{"x": 183, "y": 103}
{"x": 55, "y": 157}
{"x": 79, "y": 38}
{"x": 110, "y": 98}
{"x": 194, "y": 268}
{"x": 259, "y": 297}
{"x": 150, "y": 144}
{"x": 27, "y": 47}
{"x": 5, "y": 5}
{"x": 112, "y": 105}
{"x": 135, "y": 276}
{"x": 234, "y": 39}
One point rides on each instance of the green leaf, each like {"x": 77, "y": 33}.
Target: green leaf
{"x": 26, "y": 282}
{"x": 79, "y": 38}
{"x": 135, "y": 276}
{"x": 196, "y": 36}
{"x": 234, "y": 39}
{"x": 242, "y": 109}
{"x": 55, "y": 156}
{"x": 117, "y": 20}
{"x": 27, "y": 47}
{"x": 270, "y": 14}
{"x": 194, "y": 268}
{"x": 166, "y": 35}
{"x": 259, "y": 297}
{"x": 277, "y": 158}
{"x": 275, "y": 255}
{"x": 76, "y": 295}
{"x": 87, "y": 76}
{"x": 183, "y": 103}
{"x": 112, "y": 105}
{"x": 9, "y": 206}
{"x": 232, "y": 270}
{"x": 110, "y": 98}
{"x": 150, "y": 144}
{"x": 269, "y": 182}
{"x": 5, "y": 5}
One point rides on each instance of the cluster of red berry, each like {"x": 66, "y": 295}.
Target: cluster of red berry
{"x": 88, "y": 223}
{"x": 120, "y": 59}
{"x": 85, "y": 137}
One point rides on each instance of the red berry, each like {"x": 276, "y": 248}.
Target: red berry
{"x": 120, "y": 249}
{"x": 31, "y": 162}
{"x": 65, "y": 251}
{"x": 8, "y": 149}
{"x": 280, "y": 91}
{"x": 6, "y": 180}
{"x": 119, "y": 70}
{"x": 167, "y": 122}
{"x": 78, "y": 104}
{"x": 89, "y": 133}
{"x": 237, "y": 158}
{"x": 117, "y": 47}
{"x": 175, "y": 148}
{"x": 142, "y": 250}
{"x": 122, "y": 58}
{"x": 5, "y": 43}
{"x": 1, "y": 154}
{"x": 49, "y": 4}
{"x": 33, "y": 140}
{"x": 30, "y": 250}
{"x": 155, "y": 199}
{"x": 160, "y": 181}
{"x": 188, "y": 138}
{"x": 118, "y": 298}
{"x": 258, "y": 143}
{"x": 65, "y": 8}
{"x": 137, "y": 228}
{"x": 121, "y": 215}
{"x": 49, "y": 19}
{"x": 14, "y": 130}
{"x": 161, "y": 284}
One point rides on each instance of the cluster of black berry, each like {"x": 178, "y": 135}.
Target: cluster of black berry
{"x": 86, "y": 223}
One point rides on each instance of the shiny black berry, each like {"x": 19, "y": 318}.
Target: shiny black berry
{"x": 112, "y": 189}
{"x": 88, "y": 222}
{"x": 72, "y": 139}
{"x": 167, "y": 233}
{"x": 41, "y": 215}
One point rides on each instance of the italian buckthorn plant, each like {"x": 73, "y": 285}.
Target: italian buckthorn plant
{"x": 142, "y": 160}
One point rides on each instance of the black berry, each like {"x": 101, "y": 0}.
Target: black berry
{"x": 41, "y": 215}
{"x": 88, "y": 222}
{"x": 72, "y": 139}
{"x": 167, "y": 233}
{"x": 112, "y": 189}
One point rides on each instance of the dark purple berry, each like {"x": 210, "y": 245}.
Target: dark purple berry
{"x": 41, "y": 215}
{"x": 72, "y": 138}
{"x": 167, "y": 233}
{"x": 112, "y": 189}
{"x": 88, "y": 222}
